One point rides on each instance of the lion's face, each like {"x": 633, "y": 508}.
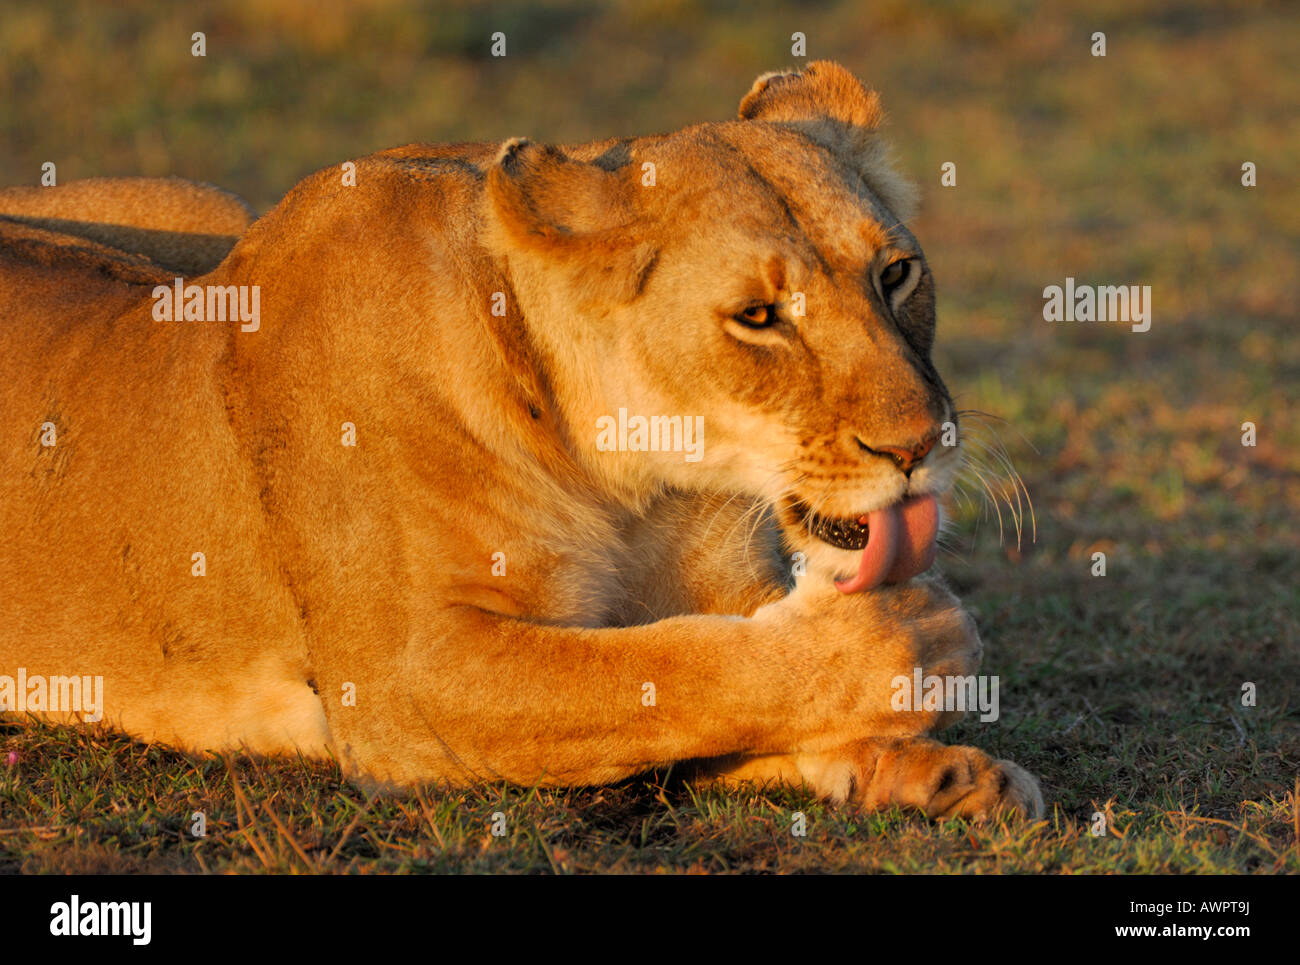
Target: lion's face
{"x": 765, "y": 282}
{"x": 797, "y": 307}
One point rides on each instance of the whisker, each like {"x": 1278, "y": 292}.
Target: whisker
{"x": 996, "y": 449}
{"x": 986, "y": 459}
{"x": 992, "y": 496}
{"x": 1017, "y": 509}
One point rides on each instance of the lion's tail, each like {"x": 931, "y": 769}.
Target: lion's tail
{"x": 179, "y": 225}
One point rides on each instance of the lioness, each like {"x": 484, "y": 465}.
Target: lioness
{"x": 411, "y": 519}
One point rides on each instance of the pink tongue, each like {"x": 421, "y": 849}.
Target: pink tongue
{"x": 900, "y": 544}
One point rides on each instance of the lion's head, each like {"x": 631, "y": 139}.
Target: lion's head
{"x": 757, "y": 273}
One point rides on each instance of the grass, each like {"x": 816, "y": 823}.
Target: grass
{"x": 87, "y": 803}
{"x": 1123, "y": 691}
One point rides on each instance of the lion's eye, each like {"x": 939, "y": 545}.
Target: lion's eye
{"x": 757, "y": 316}
{"x": 894, "y": 275}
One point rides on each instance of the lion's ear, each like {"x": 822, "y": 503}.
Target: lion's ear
{"x": 578, "y": 216}
{"x": 831, "y": 106}
{"x": 822, "y": 91}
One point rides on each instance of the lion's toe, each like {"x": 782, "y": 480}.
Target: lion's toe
{"x": 942, "y": 782}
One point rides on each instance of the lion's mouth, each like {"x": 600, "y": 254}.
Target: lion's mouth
{"x": 839, "y": 531}
{"x": 897, "y": 541}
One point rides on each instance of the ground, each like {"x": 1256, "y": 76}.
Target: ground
{"x": 1124, "y": 692}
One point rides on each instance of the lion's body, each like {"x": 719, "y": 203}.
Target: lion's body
{"x": 471, "y": 589}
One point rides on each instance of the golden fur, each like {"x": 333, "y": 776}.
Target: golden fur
{"x": 376, "y": 569}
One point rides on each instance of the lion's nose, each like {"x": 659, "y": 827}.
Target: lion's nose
{"x": 904, "y": 457}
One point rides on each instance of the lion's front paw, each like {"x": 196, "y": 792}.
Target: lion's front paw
{"x": 939, "y": 780}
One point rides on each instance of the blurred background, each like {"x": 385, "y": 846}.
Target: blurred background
{"x": 1123, "y": 169}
